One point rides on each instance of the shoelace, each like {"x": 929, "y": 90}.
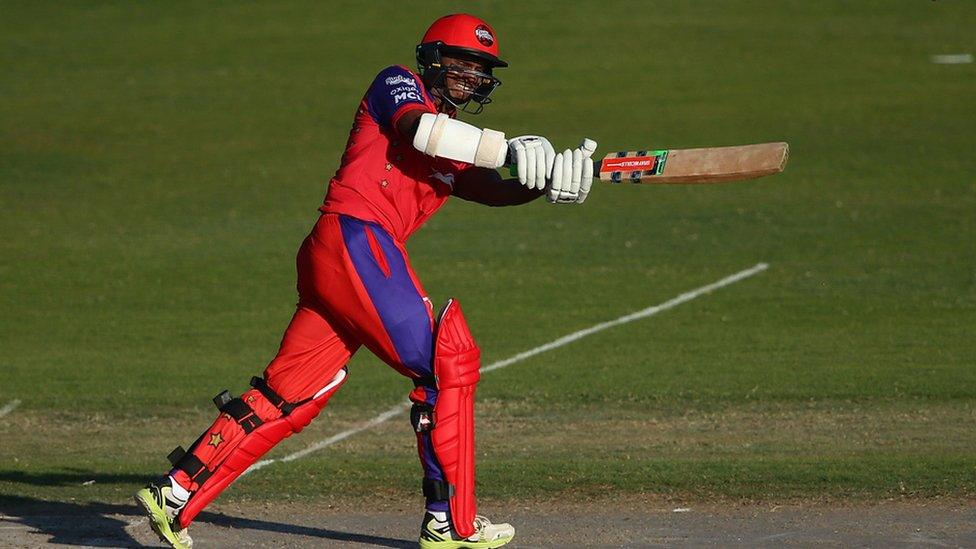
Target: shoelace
{"x": 480, "y": 523}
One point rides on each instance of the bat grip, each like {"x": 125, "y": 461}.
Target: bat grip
{"x": 513, "y": 169}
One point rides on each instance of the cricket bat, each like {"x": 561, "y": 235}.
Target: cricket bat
{"x": 711, "y": 165}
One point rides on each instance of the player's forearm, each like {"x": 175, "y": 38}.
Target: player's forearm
{"x": 510, "y": 192}
{"x": 487, "y": 187}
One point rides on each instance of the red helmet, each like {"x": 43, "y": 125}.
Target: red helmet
{"x": 461, "y": 33}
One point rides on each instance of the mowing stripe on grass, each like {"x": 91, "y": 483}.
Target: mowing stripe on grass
{"x": 9, "y": 407}
{"x": 565, "y": 340}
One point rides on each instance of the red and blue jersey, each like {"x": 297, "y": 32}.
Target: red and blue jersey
{"x": 382, "y": 178}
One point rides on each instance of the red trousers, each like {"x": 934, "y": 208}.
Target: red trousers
{"x": 355, "y": 287}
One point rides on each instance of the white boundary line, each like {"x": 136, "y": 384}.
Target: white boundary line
{"x": 9, "y": 407}
{"x": 565, "y": 340}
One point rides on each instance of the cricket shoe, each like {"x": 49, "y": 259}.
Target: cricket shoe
{"x": 162, "y": 507}
{"x": 438, "y": 534}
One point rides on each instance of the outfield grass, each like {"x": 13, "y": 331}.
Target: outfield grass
{"x": 160, "y": 164}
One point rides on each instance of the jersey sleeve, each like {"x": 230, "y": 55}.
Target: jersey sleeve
{"x": 395, "y": 91}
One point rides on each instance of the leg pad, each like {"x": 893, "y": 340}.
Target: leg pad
{"x": 457, "y": 361}
{"x": 256, "y": 436}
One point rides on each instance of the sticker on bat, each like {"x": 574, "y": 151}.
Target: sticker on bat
{"x": 650, "y": 164}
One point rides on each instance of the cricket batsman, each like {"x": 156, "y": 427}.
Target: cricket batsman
{"x": 407, "y": 154}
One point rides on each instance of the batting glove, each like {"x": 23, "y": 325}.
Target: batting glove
{"x": 533, "y": 156}
{"x": 572, "y": 174}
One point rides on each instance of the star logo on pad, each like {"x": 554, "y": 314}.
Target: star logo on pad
{"x": 215, "y": 439}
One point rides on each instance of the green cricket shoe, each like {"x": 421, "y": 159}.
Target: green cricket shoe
{"x": 438, "y": 534}
{"x": 159, "y": 504}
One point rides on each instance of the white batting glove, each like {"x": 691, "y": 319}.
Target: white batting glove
{"x": 572, "y": 174}
{"x": 533, "y": 155}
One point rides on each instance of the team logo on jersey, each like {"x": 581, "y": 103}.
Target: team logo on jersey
{"x": 484, "y": 36}
{"x": 400, "y": 95}
{"x": 447, "y": 178}
{"x": 399, "y": 79}
{"x": 406, "y": 91}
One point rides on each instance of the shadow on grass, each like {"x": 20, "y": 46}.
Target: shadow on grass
{"x": 220, "y": 519}
{"x": 70, "y": 477}
{"x": 89, "y": 524}
{"x": 95, "y": 524}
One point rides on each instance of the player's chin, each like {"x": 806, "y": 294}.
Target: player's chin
{"x": 460, "y": 96}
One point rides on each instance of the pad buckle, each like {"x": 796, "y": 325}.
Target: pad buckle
{"x": 286, "y": 407}
{"x": 189, "y": 464}
{"x": 422, "y": 418}
{"x": 437, "y": 490}
{"x": 243, "y": 414}
{"x": 222, "y": 399}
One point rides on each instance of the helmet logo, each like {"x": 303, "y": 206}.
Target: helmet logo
{"x": 484, "y": 36}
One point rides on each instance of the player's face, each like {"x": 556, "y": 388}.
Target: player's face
{"x": 461, "y": 78}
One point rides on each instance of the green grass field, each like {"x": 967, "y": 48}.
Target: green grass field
{"x": 160, "y": 164}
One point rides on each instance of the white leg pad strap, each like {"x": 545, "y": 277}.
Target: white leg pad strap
{"x": 442, "y": 136}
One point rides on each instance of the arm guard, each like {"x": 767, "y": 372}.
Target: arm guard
{"x": 442, "y": 136}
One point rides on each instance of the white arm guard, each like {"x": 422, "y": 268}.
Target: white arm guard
{"x": 444, "y": 137}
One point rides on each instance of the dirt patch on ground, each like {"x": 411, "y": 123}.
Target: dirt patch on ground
{"x": 632, "y": 523}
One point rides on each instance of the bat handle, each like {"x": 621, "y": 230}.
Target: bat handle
{"x": 513, "y": 169}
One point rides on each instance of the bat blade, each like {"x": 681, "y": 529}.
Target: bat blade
{"x": 690, "y": 166}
